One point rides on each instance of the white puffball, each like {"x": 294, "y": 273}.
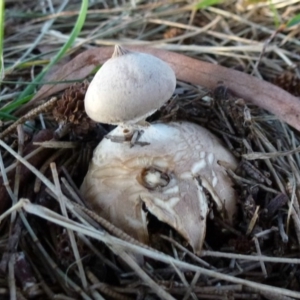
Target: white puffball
{"x": 128, "y": 88}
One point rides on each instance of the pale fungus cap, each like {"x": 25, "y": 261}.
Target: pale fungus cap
{"x": 129, "y": 87}
{"x": 170, "y": 176}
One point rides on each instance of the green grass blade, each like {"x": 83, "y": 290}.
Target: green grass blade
{"x": 1, "y": 38}
{"x": 275, "y": 13}
{"x": 5, "y": 116}
{"x": 294, "y": 21}
{"x": 14, "y": 105}
{"x": 75, "y": 32}
{"x": 44, "y": 30}
{"x": 206, "y": 3}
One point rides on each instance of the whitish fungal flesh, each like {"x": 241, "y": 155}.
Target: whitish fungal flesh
{"x": 168, "y": 176}
{"x": 129, "y": 87}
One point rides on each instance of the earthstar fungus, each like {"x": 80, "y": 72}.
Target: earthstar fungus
{"x": 169, "y": 176}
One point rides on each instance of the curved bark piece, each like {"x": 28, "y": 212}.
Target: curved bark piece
{"x": 259, "y": 92}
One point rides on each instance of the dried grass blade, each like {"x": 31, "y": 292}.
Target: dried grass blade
{"x": 115, "y": 242}
{"x": 189, "y": 292}
{"x": 250, "y": 257}
{"x": 57, "y": 144}
{"x": 11, "y": 278}
{"x": 63, "y": 278}
{"x": 76, "y": 30}
{"x": 139, "y": 271}
{"x": 70, "y": 232}
{"x": 262, "y": 155}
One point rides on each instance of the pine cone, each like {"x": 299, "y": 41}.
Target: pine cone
{"x": 289, "y": 82}
{"x": 70, "y": 111}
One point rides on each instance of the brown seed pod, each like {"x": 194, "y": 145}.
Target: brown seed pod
{"x": 69, "y": 109}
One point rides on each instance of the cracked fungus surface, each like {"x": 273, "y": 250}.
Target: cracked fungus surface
{"x": 167, "y": 176}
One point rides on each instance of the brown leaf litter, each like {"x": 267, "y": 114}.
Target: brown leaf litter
{"x": 56, "y": 247}
{"x": 250, "y": 257}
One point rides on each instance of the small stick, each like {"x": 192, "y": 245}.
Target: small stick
{"x": 174, "y": 250}
{"x": 161, "y": 293}
{"x": 241, "y": 179}
{"x": 70, "y": 232}
{"x": 18, "y": 167}
{"x": 293, "y": 209}
{"x": 266, "y": 232}
{"x": 41, "y": 280}
{"x": 262, "y": 264}
{"x": 104, "y": 288}
{"x": 185, "y": 283}
{"x": 57, "y": 144}
{"x": 73, "y": 187}
{"x": 11, "y": 278}
{"x": 296, "y": 173}
{"x": 72, "y": 192}
{"x": 101, "y": 256}
{"x": 254, "y": 172}
{"x": 217, "y": 290}
{"x": 272, "y": 296}
{"x": 14, "y": 237}
{"x": 291, "y": 202}
{"x": 192, "y": 286}
{"x": 30, "y": 115}
{"x": 265, "y": 44}
{"x": 271, "y": 168}
{"x": 250, "y": 257}
{"x": 263, "y": 139}
{"x": 232, "y": 263}
{"x": 231, "y": 130}
{"x": 252, "y": 221}
{"x": 62, "y": 276}
{"x": 282, "y": 233}
{"x": 44, "y": 167}
{"x": 191, "y": 254}
{"x": 264, "y": 155}
{"x": 29, "y": 155}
